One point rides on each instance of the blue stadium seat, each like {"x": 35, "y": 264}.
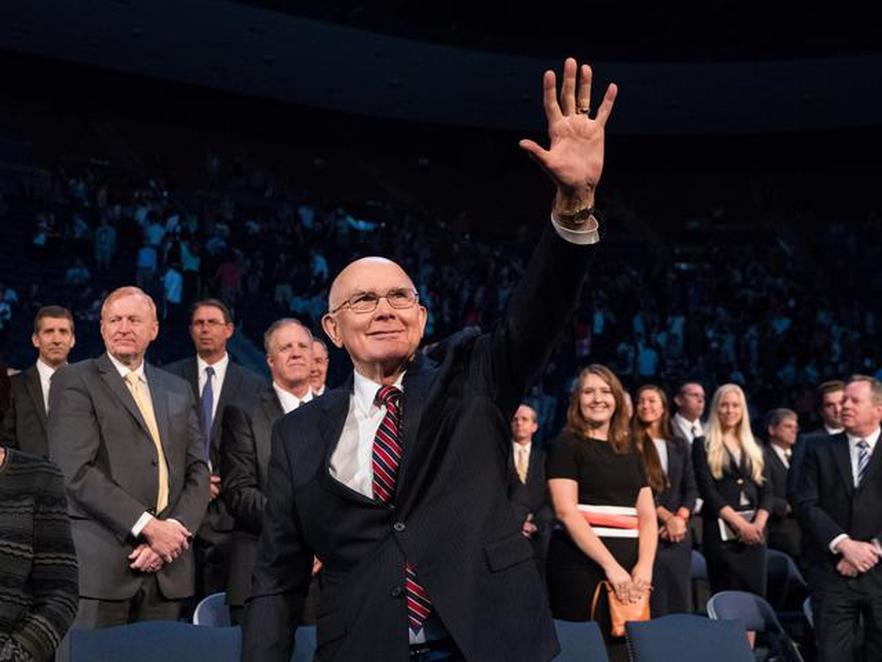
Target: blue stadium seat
{"x": 579, "y": 642}
{"x": 150, "y": 641}
{"x": 212, "y": 611}
{"x": 756, "y": 615}
{"x": 687, "y": 638}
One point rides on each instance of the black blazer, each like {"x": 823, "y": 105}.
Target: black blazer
{"x": 726, "y": 491}
{"x": 101, "y": 443}
{"x": 827, "y": 503}
{"x": 245, "y": 454}
{"x": 532, "y": 497}
{"x": 24, "y": 424}
{"x": 451, "y": 515}
{"x": 777, "y": 482}
{"x": 682, "y": 491}
{"x": 239, "y": 388}
{"x": 802, "y": 443}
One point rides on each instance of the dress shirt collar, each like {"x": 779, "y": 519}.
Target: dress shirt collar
{"x": 871, "y": 439}
{"x": 515, "y": 446}
{"x": 124, "y": 370}
{"x": 288, "y": 400}
{"x": 364, "y": 391}
{"x": 688, "y": 426}
{"x": 833, "y": 430}
{"x": 45, "y": 371}
{"x": 781, "y": 453}
{"x": 220, "y": 368}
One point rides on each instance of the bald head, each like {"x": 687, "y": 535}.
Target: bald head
{"x": 380, "y": 340}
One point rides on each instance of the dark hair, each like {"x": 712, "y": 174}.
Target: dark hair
{"x": 774, "y": 417}
{"x": 214, "y": 303}
{"x": 830, "y": 387}
{"x": 619, "y": 434}
{"x": 57, "y": 312}
{"x": 658, "y": 481}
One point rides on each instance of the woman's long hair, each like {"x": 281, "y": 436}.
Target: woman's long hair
{"x": 713, "y": 441}
{"x": 658, "y": 481}
{"x": 619, "y": 434}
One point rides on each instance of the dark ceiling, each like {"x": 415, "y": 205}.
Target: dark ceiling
{"x": 714, "y": 30}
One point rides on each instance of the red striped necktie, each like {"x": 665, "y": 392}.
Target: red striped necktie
{"x": 385, "y": 460}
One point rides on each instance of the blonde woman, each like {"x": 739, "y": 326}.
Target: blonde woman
{"x": 732, "y": 480}
{"x": 602, "y": 499}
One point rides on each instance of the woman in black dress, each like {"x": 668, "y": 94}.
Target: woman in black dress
{"x": 668, "y": 464}
{"x": 601, "y": 498}
{"x": 730, "y": 473}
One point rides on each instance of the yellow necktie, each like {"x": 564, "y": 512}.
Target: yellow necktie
{"x": 522, "y": 464}
{"x": 146, "y": 407}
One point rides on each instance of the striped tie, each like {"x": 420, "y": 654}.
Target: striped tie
{"x": 385, "y": 459}
{"x": 863, "y": 460}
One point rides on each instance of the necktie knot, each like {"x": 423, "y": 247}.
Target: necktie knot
{"x": 209, "y": 371}
{"x": 387, "y": 395}
{"x": 863, "y": 445}
{"x": 132, "y": 378}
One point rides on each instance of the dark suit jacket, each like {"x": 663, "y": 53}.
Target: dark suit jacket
{"x": 451, "y": 516}
{"x": 802, "y": 443}
{"x": 784, "y": 533}
{"x": 239, "y": 388}
{"x": 827, "y": 503}
{"x": 726, "y": 491}
{"x": 24, "y": 424}
{"x": 245, "y": 455}
{"x": 532, "y": 497}
{"x": 100, "y": 441}
{"x": 682, "y": 491}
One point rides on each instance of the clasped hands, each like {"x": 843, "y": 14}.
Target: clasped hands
{"x": 166, "y": 541}
{"x": 630, "y": 588}
{"x": 857, "y": 557}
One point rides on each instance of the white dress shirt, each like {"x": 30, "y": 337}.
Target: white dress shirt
{"x": 833, "y": 430}
{"x": 783, "y": 454}
{"x": 217, "y": 382}
{"x": 661, "y": 446}
{"x": 288, "y": 400}
{"x": 45, "y": 372}
{"x": 853, "y": 452}
{"x": 688, "y": 429}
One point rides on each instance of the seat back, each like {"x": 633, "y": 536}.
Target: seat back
{"x": 786, "y": 586}
{"x": 213, "y": 611}
{"x": 150, "y": 641}
{"x": 579, "y": 642}
{"x": 807, "y": 610}
{"x": 755, "y": 613}
{"x": 687, "y": 638}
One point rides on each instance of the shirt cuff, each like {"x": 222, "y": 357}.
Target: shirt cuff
{"x": 591, "y": 235}
{"x": 143, "y": 520}
{"x": 835, "y": 542}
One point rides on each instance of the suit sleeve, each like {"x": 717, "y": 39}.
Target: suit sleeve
{"x": 688, "y": 486}
{"x": 283, "y": 569}
{"x": 74, "y": 443}
{"x": 191, "y": 505}
{"x": 811, "y": 516}
{"x": 240, "y": 487}
{"x": 707, "y": 486}
{"x": 539, "y": 307}
{"x": 765, "y": 493}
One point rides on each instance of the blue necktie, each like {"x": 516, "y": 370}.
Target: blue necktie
{"x": 863, "y": 459}
{"x": 207, "y": 408}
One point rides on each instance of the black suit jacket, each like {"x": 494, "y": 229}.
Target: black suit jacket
{"x": 532, "y": 497}
{"x": 239, "y": 388}
{"x": 827, "y": 503}
{"x": 100, "y": 441}
{"x": 24, "y": 424}
{"x": 802, "y": 443}
{"x": 245, "y": 455}
{"x": 682, "y": 490}
{"x": 451, "y": 514}
{"x": 726, "y": 491}
{"x": 784, "y": 531}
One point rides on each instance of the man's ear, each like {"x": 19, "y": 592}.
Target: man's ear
{"x": 332, "y": 329}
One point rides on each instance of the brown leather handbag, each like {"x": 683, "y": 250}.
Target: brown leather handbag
{"x": 620, "y": 612}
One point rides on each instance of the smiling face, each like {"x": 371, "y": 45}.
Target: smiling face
{"x": 730, "y": 410}
{"x": 128, "y": 326}
{"x": 597, "y": 403}
{"x": 378, "y": 342}
{"x": 650, "y": 407}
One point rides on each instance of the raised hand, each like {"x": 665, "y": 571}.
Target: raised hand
{"x": 574, "y": 160}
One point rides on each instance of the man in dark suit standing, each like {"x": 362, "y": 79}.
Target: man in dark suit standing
{"x": 397, "y": 481}
{"x": 830, "y": 397}
{"x": 782, "y": 427}
{"x": 838, "y": 492}
{"x": 126, "y": 437}
{"x": 217, "y": 382}
{"x": 527, "y": 489}
{"x": 245, "y": 452}
{"x": 24, "y": 423}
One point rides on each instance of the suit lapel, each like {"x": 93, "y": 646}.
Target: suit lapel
{"x": 272, "y": 411}
{"x": 191, "y": 374}
{"x": 159, "y": 396}
{"x": 842, "y": 459}
{"x": 115, "y": 383}
{"x": 417, "y": 393}
{"x": 232, "y": 381}
{"x": 874, "y": 465}
{"x": 35, "y": 391}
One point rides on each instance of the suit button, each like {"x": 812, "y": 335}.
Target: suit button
{"x": 396, "y": 592}
{"x": 398, "y": 527}
{"x": 154, "y": 462}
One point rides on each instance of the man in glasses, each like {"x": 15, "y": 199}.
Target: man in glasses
{"x": 397, "y": 481}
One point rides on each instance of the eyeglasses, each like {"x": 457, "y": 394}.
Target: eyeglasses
{"x": 210, "y": 323}
{"x": 367, "y": 302}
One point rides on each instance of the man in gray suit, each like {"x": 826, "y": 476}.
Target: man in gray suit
{"x": 126, "y": 436}
{"x": 24, "y": 424}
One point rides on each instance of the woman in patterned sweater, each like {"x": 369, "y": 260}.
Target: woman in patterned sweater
{"x": 38, "y": 564}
